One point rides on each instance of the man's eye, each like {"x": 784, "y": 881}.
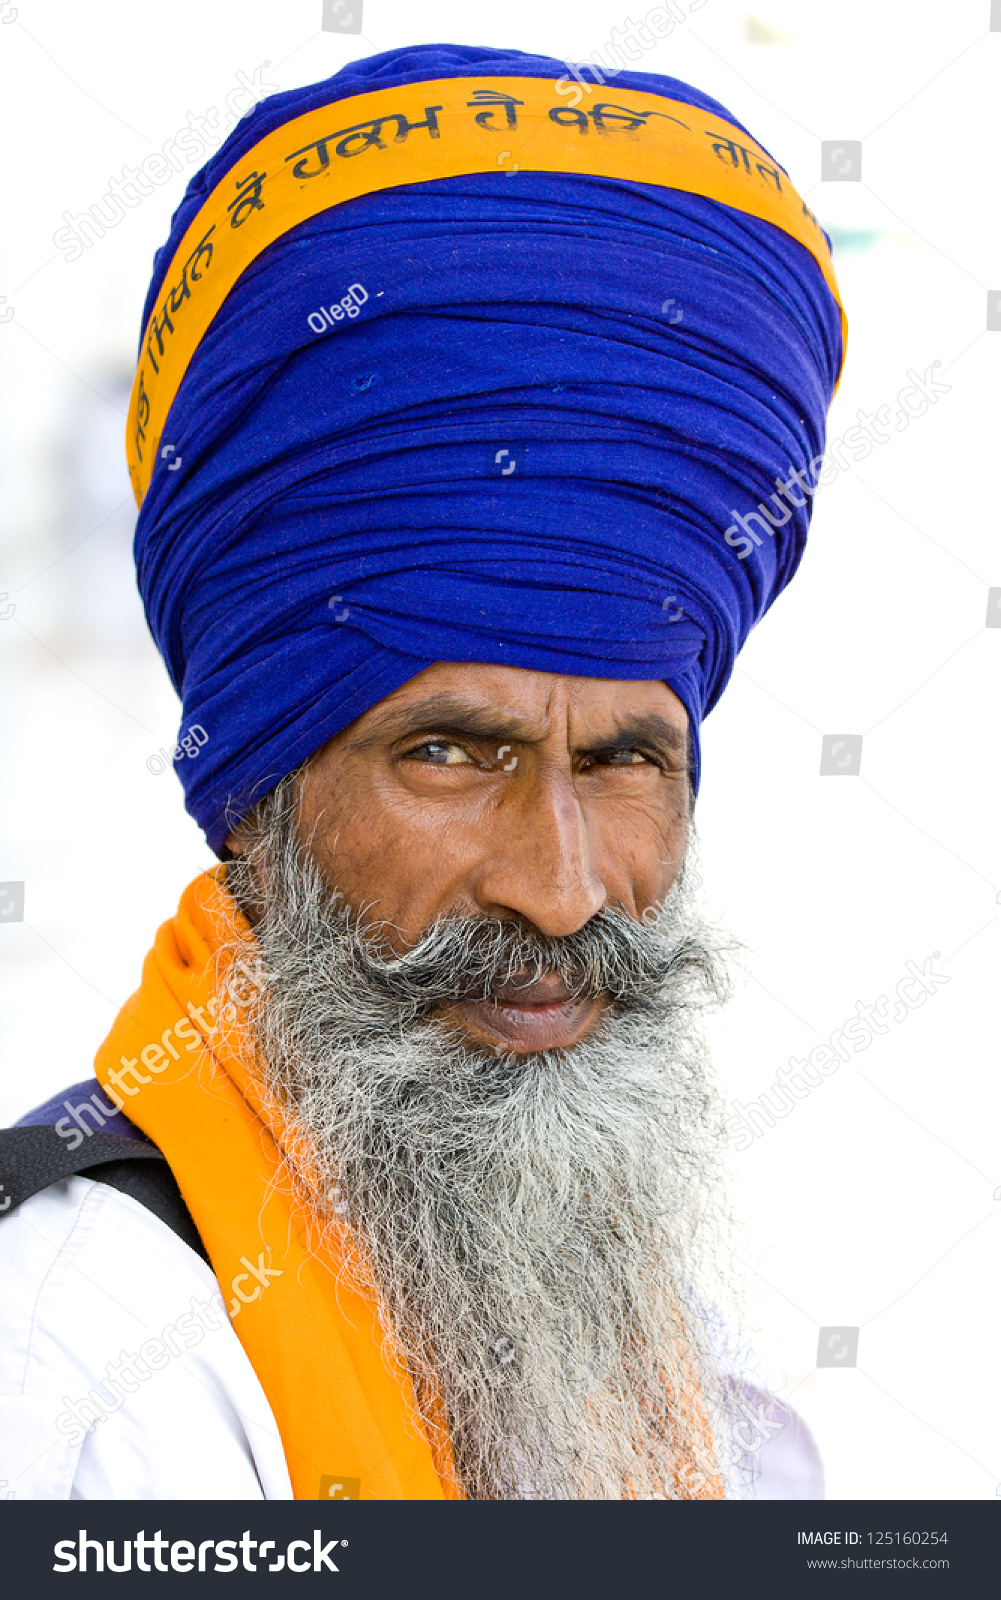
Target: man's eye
{"x": 625, "y": 758}
{"x": 615, "y": 758}
{"x": 440, "y": 753}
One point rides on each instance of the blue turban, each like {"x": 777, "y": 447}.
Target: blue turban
{"x": 344, "y": 514}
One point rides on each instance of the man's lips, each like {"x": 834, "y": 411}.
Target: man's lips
{"x": 541, "y": 1015}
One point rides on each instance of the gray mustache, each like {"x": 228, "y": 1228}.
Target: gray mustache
{"x": 467, "y": 958}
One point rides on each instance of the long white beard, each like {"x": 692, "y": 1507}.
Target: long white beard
{"x": 541, "y": 1235}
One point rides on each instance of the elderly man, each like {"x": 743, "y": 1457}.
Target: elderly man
{"x": 472, "y": 432}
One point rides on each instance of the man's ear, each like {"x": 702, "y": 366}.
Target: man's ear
{"x": 236, "y": 843}
{"x": 236, "y": 846}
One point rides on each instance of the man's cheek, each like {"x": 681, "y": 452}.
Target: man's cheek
{"x": 638, "y": 855}
{"x": 406, "y": 874}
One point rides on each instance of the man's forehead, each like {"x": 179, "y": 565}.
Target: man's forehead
{"x": 523, "y": 704}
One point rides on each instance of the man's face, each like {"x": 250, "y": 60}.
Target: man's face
{"x": 522, "y": 795}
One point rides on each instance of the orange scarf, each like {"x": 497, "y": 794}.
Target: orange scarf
{"x": 345, "y": 1416}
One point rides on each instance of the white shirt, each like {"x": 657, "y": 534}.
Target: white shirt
{"x": 89, "y": 1278}
{"x": 122, "y": 1378}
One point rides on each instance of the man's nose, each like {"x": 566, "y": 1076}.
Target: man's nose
{"x": 538, "y": 864}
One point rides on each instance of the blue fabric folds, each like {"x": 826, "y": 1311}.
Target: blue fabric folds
{"x": 342, "y": 516}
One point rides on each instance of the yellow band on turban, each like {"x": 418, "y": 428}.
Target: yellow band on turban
{"x": 449, "y": 127}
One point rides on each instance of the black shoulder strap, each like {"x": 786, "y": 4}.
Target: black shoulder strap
{"x": 33, "y": 1158}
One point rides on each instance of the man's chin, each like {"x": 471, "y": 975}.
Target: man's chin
{"x": 526, "y": 1029}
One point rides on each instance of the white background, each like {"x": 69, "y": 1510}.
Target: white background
{"x": 872, "y": 1203}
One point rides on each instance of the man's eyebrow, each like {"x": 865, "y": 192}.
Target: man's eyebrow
{"x": 645, "y": 727}
{"x": 445, "y": 713}
{"x": 451, "y": 714}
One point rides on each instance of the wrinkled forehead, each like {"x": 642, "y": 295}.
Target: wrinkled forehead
{"x": 523, "y": 705}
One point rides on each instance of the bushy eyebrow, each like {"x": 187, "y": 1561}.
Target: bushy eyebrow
{"x": 444, "y": 713}
{"x": 646, "y": 727}
{"x": 451, "y": 715}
